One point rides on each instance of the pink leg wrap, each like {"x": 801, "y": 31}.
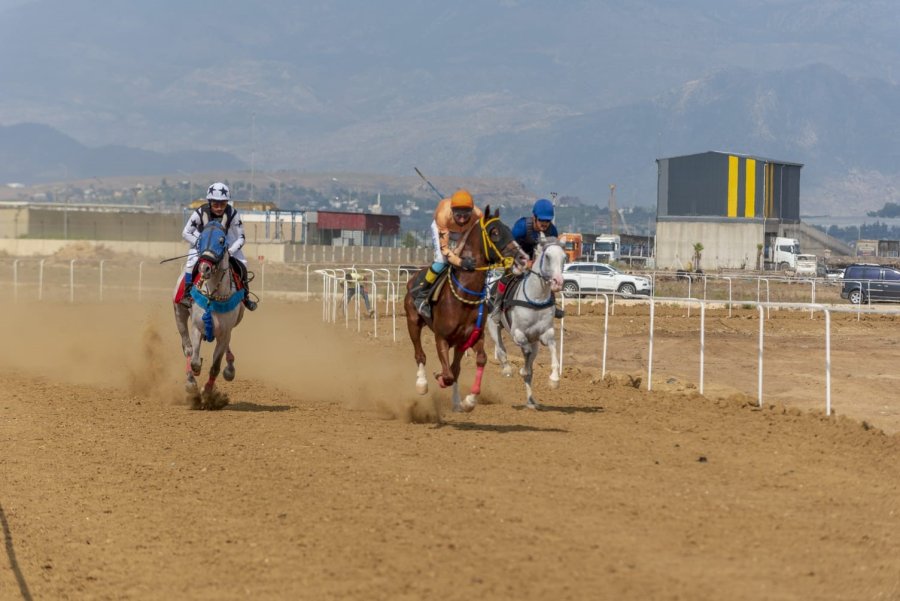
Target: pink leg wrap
{"x": 476, "y": 386}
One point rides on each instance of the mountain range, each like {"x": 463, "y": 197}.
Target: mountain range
{"x": 562, "y": 95}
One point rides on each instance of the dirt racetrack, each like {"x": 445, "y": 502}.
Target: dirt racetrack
{"x": 317, "y": 483}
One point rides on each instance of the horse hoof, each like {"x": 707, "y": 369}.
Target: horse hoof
{"x": 195, "y": 368}
{"x": 228, "y": 373}
{"x": 507, "y": 372}
{"x": 422, "y": 387}
{"x": 554, "y": 384}
{"x": 532, "y": 405}
{"x": 468, "y": 405}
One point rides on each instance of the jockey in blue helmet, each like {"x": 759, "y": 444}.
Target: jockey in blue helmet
{"x": 527, "y": 232}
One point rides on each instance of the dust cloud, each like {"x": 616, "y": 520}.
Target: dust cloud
{"x": 287, "y": 347}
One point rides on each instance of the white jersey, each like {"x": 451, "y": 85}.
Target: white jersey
{"x": 234, "y": 233}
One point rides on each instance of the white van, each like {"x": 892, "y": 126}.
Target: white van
{"x": 806, "y": 266}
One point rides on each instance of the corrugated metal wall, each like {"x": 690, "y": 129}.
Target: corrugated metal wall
{"x": 715, "y": 184}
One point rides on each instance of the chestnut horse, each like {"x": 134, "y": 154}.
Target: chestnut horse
{"x": 458, "y": 313}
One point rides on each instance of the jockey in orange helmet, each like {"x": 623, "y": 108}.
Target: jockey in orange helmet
{"x": 452, "y": 217}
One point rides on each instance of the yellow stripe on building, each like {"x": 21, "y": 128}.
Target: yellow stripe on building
{"x": 732, "y": 185}
{"x": 750, "y": 190}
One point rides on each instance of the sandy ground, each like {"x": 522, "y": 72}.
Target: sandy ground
{"x": 318, "y": 482}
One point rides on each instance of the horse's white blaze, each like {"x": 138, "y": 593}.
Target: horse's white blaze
{"x": 421, "y": 380}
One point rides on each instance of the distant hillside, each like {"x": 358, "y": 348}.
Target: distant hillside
{"x": 563, "y": 96}
{"x": 31, "y": 153}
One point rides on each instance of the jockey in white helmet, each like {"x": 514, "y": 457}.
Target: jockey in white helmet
{"x": 217, "y": 208}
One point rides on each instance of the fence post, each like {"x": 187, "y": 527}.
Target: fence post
{"x": 72, "y": 281}
{"x": 16, "y": 281}
{"x": 102, "y": 261}
{"x": 262, "y": 286}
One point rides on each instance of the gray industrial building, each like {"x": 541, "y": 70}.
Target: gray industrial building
{"x": 728, "y": 202}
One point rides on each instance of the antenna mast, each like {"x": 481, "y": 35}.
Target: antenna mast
{"x": 613, "y": 211}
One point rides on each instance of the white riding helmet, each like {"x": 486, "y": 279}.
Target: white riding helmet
{"x": 218, "y": 192}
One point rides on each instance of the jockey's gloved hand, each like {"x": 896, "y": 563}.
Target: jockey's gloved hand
{"x": 467, "y": 264}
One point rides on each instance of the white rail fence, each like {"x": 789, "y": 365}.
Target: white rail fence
{"x": 393, "y": 289}
{"x": 105, "y": 280}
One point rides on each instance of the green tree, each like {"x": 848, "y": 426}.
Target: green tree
{"x": 698, "y": 253}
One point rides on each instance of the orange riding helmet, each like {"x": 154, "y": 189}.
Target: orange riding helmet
{"x": 461, "y": 199}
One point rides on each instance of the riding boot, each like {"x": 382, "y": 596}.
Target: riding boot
{"x": 421, "y": 293}
{"x": 496, "y": 300}
{"x": 188, "y": 284}
{"x": 248, "y": 302}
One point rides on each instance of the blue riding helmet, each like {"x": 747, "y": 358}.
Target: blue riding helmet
{"x": 543, "y": 210}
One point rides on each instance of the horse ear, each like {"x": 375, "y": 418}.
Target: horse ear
{"x": 487, "y": 212}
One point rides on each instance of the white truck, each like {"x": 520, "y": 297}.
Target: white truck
{"x": 781, "y": 253}
{"x": 606, "y": 248}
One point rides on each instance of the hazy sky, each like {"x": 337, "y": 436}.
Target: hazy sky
{"x": 378, "y": 86}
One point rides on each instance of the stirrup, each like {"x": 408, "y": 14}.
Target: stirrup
{"x": 423, "y": 307}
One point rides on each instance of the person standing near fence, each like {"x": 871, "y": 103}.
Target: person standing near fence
{"x": 353, "y": 281}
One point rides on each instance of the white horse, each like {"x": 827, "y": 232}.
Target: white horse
{"x": 527, "y": 314}
{"x": 216, "y": 309}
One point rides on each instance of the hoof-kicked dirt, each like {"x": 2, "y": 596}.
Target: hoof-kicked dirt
{"x": 328, "y": 477}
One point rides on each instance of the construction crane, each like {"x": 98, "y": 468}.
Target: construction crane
{"x": 617, "y": 222}
{"x": 613, "y": 211}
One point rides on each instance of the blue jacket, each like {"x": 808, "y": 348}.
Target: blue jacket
{"x": 527, "y": 237}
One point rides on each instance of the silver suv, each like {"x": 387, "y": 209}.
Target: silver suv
{"x": 582, "y": 277}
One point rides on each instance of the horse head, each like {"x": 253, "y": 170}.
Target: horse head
{"x": 550, "y": 260}
{"x": 499, "y": 243}
{"x": 212, "y": 249}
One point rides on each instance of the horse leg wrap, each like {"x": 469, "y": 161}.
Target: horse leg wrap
{"x": 476, "y": 386}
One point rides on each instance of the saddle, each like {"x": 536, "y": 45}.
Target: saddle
{"x": 508, "y": 300}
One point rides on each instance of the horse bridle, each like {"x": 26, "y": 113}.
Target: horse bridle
{"x": 540, "y": 272}
{"x": 213, "y": 271}
{"x": 489, "y": 247}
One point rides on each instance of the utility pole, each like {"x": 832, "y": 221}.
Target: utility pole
{"x": 613, "y": 211}
{"x": 252, "y": 152}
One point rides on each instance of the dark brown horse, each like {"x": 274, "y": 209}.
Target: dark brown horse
{"x": 459, "y": 313}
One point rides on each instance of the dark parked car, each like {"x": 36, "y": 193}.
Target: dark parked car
{"x": 870, "y": 283}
